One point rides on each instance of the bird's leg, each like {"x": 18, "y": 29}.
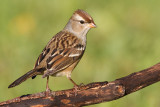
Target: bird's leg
{"x": 72, "y": 81}
{"x": 76, "y": 87}
{"x": 47, "y": 87}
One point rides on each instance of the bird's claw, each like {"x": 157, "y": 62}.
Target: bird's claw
{"x": 48, "y": 92}
{"x": 78, "y": 88}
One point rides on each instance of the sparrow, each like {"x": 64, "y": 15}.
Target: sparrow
{"x": 63, "y": 51}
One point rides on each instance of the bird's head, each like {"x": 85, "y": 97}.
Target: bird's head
{"x": 80, "y": 23}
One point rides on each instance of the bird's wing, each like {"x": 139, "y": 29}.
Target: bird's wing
{"x": 47, "y": 50}
{"x": 60, "y": 53}
{"x": 63, "y": 60}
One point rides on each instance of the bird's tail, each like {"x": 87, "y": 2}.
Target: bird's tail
{"x": 24, "y": 77}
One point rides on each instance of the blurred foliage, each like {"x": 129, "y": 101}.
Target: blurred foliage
{"x": 126, "y": 40}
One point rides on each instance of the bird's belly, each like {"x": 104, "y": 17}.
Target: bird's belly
{"x": 62, "y": 73}
{"x": 66, "y": 72}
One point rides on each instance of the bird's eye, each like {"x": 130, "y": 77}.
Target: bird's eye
{"x": 81, "y": 21}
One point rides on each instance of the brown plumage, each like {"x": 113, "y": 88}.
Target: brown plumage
{"x": 63, "y": 51}
{"x": 85, "y": 15}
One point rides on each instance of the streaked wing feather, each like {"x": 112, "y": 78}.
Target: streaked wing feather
{"x": 46, "y": 50}
{"x": 41, "y": 56}
{"x": 62, "y": 61}
{"x": 62, "y": 51}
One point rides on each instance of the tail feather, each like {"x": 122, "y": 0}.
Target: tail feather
{"x": 23, "y": 78}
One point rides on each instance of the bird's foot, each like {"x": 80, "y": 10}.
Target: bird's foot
{"x": 81, "y": 85}
{"x": 78, "y": 88}
{"x": 48, "y": 92}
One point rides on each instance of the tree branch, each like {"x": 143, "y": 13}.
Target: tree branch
{"x": 91, "y": 93}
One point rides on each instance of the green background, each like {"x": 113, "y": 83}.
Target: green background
{"x": 126, "y": 40}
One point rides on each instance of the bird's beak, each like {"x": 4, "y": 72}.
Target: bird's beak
{"x": 92, "y": 25}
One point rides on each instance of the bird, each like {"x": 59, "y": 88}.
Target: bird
{"x": 63, "y": 52}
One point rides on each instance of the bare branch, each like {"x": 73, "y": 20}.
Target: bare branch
{"x": 92, "y": 93}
